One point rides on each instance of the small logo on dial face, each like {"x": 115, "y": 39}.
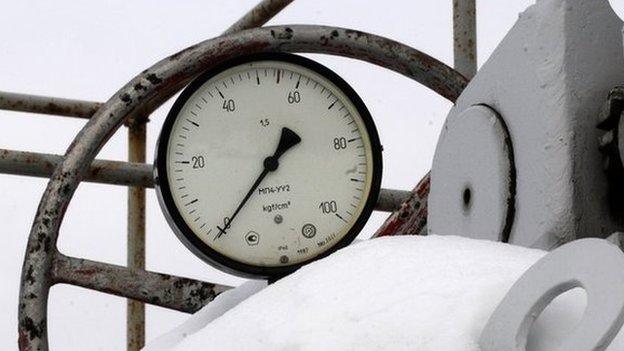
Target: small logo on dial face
{"x": 308, "y": 230}
{"x": 252, "y": 238}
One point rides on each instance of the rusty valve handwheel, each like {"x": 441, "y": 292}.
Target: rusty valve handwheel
{"x": 44, "y": 266}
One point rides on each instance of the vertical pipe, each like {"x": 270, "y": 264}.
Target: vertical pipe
{"x": 465, "y": 37}
{"x": 135, "y": 313}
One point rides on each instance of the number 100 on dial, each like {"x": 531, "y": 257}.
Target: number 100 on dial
{"x": 266, "y": 163}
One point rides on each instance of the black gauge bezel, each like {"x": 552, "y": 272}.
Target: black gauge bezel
{"x": 186, "y": 234}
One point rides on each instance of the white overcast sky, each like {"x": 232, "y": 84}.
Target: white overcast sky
{"x": 88, "y": 50}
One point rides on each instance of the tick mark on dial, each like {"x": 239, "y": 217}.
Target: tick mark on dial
{"x": 192, "y": 202}
{"x": 220, "y": 93}
{"x": 332, "y": 104}
{"x": 339, "y": 216}
{"x": 193, "y": 122}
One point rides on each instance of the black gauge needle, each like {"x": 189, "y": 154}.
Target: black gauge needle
{"x": 288, "y": 139}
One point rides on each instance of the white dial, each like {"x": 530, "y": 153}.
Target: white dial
{"x": 268, "y": 163}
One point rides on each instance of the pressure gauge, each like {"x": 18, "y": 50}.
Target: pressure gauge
{"x": 266, "y": 163}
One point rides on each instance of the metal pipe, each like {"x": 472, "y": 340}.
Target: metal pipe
{"x": 177, "y": 293}
{"x": 101, "y": 171}
{"x": 391, "y": 199}
{"x": 47, "y": 105}
{"x": 135, "y": 312}
{"x": 259, "y": 15}
{"x": 465, "y": 37}
{"x": 129, "y": 174}
{"x": 410, "y": 218}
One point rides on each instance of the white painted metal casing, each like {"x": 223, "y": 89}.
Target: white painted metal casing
{"x": 547, "y": 80}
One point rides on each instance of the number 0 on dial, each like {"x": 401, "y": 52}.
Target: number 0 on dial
{"x": 266, "y": 163}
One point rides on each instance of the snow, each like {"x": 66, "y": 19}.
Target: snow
{"x": 221, "y": 304}
{"x": 396, "y": 293}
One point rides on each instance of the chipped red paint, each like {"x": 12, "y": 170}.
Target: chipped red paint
{"x": 411, "y": 218}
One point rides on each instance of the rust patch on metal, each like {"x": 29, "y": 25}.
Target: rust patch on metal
{"x": 411, "y": 218}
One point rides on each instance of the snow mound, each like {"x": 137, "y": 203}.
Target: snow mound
{"x": 394, "y": 293}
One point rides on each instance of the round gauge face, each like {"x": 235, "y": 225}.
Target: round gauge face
{"x": 266, "y": 163}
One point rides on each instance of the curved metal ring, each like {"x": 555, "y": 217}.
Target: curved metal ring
{"x": 150, "y": 89}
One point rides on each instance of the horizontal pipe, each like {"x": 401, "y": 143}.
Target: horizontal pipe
{"x": 177, "y": 293}
{"x": 128, "y": 173}
{"x": 47, "y": 105}
{"x": 101, "y": 171}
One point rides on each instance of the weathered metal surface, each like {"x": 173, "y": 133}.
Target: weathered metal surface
{"x": 612, "y": 148}
{"x": 132, "y": 174}
{"x": 259, "y": 15}
{"x": 411, "y": 217}
{"x": 101, "y": 171}
{"x": 154, "y": 86}
{"x": 47, "y": 105}
{"x": 391, "y": 200}
{"x": 177, "y": 293}
{"x": 135, "y": 312}
{"x": 465, "y": 37}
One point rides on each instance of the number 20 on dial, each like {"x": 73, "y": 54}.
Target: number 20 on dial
{"x": 266, "y": 163}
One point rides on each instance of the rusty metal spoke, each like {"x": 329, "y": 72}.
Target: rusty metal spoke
{"x": 259, "y": 15}
{"x": 47, "y": 105}
{"x": 177, "y": 293}
{"x": 101, "y": 171}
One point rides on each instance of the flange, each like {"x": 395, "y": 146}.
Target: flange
{"x": 473, "y": 179}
